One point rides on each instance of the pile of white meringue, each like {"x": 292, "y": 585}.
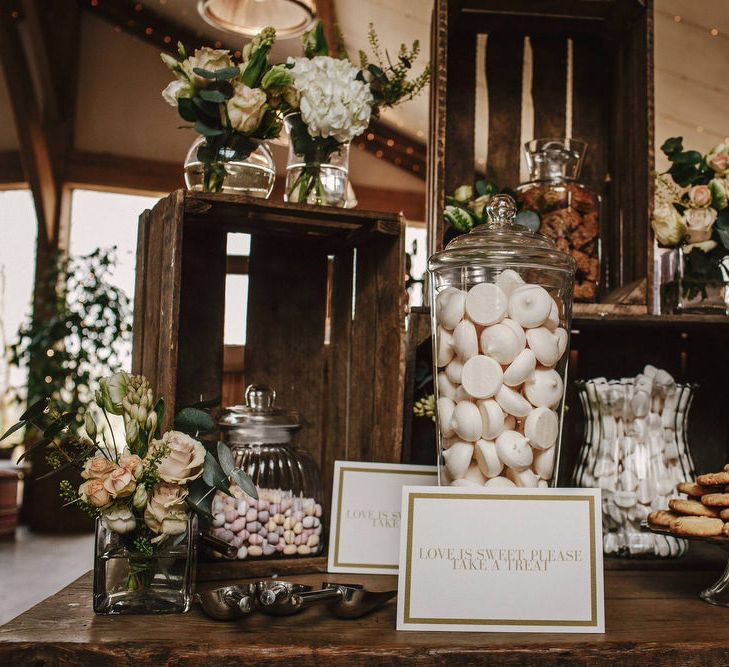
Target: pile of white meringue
{"x": 497, "y": 345}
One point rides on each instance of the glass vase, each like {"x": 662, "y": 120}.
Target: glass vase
{"x": 693, "y": 282}
{"x": 636, "y": 461}
{"x": 127, "y": 581}
{"x": 318, "y": 168}
{"x": 242, "y": 166}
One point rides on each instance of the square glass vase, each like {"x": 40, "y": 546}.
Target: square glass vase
{"x": 129, "y": 582}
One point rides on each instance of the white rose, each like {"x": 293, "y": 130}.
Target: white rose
{"x": 698, "y": 224}
{"x": 166, "y": 512}
{"x": 333, "y": 103}
{"x": 668, "y": 224}
{"x": 185, "y": 460}
{"x": 140, "y": 498}
{"x": 175, "y": 90}
{"x": 246, "y": 108}
{"x": 207, "y": 59}
{"x": 119, "y": 519}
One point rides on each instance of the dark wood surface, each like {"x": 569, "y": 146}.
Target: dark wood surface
{"x": 652, "y": 617}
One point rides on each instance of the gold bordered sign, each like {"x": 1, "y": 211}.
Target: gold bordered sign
{"x": 522, "y": 560}
{"x": 365, "y": 520}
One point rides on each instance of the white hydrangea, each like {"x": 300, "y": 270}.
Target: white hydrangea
{"x": 333, "y": 103}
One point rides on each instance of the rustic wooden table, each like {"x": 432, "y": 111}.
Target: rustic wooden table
{"x": 653, "y": 617}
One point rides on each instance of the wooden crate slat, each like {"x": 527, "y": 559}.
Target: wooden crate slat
{"x": 140, "y": 287}
{"x": 504, "y": 62}
{"x": 549, "y": 85}
{"x": 285, "y": 333}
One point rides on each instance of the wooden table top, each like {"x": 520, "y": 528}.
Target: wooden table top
{"x": 651, "y": 616}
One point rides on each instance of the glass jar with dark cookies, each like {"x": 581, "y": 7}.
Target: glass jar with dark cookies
{"x": 569, "y": 211}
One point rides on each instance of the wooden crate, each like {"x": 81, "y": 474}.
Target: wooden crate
{"x": 312, "y": 270}
{"x": 611, "y": 74}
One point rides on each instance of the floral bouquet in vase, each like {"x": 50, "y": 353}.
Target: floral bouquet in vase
{"x": 691, "y": 218}
{"x": 327, "y": 101}
{"x": 228, "y": 105}
{"x": 145, "y": 488}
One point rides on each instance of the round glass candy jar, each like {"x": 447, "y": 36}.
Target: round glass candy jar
{"x": 501, "y": 304}
{"x": 568, "y": 211}
{"x": 286, "y": 520}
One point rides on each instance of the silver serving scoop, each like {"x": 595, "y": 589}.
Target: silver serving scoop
{"x": 229, "y": 602}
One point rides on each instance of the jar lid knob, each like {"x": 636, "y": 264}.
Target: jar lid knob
{"x": 501, "y": 210}
{"x": 260, "y": 397}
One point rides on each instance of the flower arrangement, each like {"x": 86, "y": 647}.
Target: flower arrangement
{"x": 466, "y": 207}
{"x": 329, "y": 101}
{"x": 145, "y": 488}
{"x": 228, "y": 102}
{"x": 691, "y": 212}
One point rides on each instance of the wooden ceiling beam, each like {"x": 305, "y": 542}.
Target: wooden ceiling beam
{"x": 138, "y": 20}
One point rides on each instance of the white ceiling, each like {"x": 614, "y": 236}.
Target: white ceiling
{"x": 124, "y": 113}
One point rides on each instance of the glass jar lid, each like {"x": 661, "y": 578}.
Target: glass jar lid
{"x": 502, "y": 243}
{"x": 554, "y": 159}
{"x": 259, "y": 414}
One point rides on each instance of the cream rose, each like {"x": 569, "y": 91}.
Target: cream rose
{"x": 207, "y": 59}
{"x": 185, "y": 460}
{"x": 166, "y": 512}
{"x": 120, "y": 483}
{"x": 699, "y": 196}
{"x": 98, "y": 467}
{"x": 698, "y": 224}
{"x": 133, "y": 464}
{"x": 175, "y": 90}
{"x": 718, "y": 159}
{"x": 246, "y": 108}
{"x": 668, "y": 225}
{"x": 93, "y": 492}
{"x": 119, "y": 519}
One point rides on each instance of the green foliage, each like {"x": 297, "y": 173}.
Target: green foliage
{"x": 687, "y": 167}
{"x": 194, "y": 422}
{"x": 81, "y": 335}
{"x": 315, "y": 43}
{"x": 389, "y": 81}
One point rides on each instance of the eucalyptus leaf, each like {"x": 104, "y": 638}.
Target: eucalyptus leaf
{"x": 244, "y": 482}
{"x": 186, "y": 109}
{"x": 672, "y": 146}
{"x": 204, "y": 73}
{"x": 207, "y": 131}
{"x": 213, "y": 475}
{"x": 225, "y": 458}
{"x": 193, "y": 421}
{"x": 212, "y": 95}
{"x": 226, "y": 73}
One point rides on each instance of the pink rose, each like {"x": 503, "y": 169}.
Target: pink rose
{"x": 98, "y": 467}
{"x": 120, "y": 483}
{"x": 133, "y": 464}
{"x": 719, "y": 162}
{"x": 185, "y": 460}
{"x": 166, "y": 511}
{"x": 700, "y": 196}
{"x": 94, "y": 492}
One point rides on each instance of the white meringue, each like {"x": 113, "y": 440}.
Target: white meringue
{"x": 512, "y": 402}
{"x": 499, "y": 483}
{"x": 445, "y": 350}
{"x": 445, "y": 407}
{"x": 529, "y": 305}
{"x": 450, "y": 307}
{"x": 500, "y": 342}
{"x": 521, "y": 369}
{"x": 545, "y": 389}
{"x": 481, "y": 376}
{"x": 465, "y": 340}
{"x": 458, "y": 458}
{"x": 486, "y": 304}
{"x": 446, "y": 388}
{"x": 562, "y": 340}
{"x": 514, "y": 451}
{"x": 467, "y": 421}
{"x": 492, "y": 418}
{"x": 487, "y": 458}
{"x": 453, "y": 371}
{"x": 523, "y": 478}
{"x": 474, "y": 474}
{"x": 544, "y": 344}
{"x": 552, "y": 321}
{"x": 517, "y": 329}
{"x": 508, "y": 280}
{"x": 541, "y": 428}
{"x": 543, "y": 463}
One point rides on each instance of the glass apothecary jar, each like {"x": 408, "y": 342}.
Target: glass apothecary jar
{"x": 568, "y": 211}
{"x": 501, "y": 304}
{"x": 286, "y": 520}
{"x": 635, "y": 449}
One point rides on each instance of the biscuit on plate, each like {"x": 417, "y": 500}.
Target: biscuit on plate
{"x": 692, "y": 508}
{"x": 724, "y": 514}
{"x": 662, "y": 518}
{"x": 714, "y": 478}
{"x": 696, "y": 490}
{"x": 715, "y": 499}
{"x": 697, "y": 526}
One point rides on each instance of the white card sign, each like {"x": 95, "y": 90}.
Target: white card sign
{"x": 365, "y": 521}
{"x": 516, "y": 560}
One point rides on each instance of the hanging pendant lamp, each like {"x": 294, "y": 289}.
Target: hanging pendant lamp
{"x": 290, "y": 18}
